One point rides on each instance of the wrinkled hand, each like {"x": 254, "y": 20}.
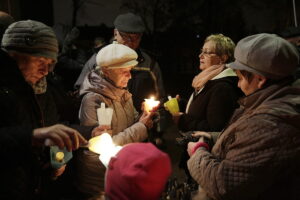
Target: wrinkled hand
{"x": 59, "y": 135}
{"x": 101, "y": 129}
{"x": 58, "y": 172}
{"x": 146, "y": 119}
{"x": 190, "y": 147}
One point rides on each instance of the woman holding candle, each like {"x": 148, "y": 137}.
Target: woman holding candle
{"x": 108, "y": 84}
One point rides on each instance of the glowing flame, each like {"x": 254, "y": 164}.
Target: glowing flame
{"x": 150, "y": 104}
{"x": 103, "y": 145}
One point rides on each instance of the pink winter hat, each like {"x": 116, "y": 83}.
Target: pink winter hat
{"x": 138, "y": 171}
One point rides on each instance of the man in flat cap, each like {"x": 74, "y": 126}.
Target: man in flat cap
{"x": 146, "y": 76}
{"x": 257, "y": 155}
{"x": 28, "y": 112}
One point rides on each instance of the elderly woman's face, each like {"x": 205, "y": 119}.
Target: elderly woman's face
{"x": 208, "y": 56}
{"x": 119, "y": 76}
{"x": 35, "y": 68}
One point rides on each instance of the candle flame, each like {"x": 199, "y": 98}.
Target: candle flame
{"x": 104, "y": 145}
{"x": 101, "y": 143}
{"x": 150, "y": 104}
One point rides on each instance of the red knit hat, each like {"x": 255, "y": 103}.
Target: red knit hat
{"x": 138, "y": 171}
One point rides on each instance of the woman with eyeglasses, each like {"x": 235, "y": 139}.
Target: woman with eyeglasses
{"x": 215, "y": 90}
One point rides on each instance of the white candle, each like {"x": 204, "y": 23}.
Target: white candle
{"x": 150, "y": 104}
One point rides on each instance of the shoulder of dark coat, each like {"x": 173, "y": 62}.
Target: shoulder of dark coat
{"x": 229, "y": 82}
{"x": 151, "y": 54}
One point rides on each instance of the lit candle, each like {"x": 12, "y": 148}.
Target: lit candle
{"x": 101, "y": 143}
{"x": 104, "y": 145}
{"x": 150, "y": 104}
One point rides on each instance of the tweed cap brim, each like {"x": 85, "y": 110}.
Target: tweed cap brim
{"x": 236, "y": 65}
{"x": 123, "y": 65}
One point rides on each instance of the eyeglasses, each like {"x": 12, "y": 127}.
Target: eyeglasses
{"x": 207, "y": 53}
{"x": 130, "y": 37}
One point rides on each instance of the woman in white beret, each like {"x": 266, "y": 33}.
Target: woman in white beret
{"x": 108, "y": 84}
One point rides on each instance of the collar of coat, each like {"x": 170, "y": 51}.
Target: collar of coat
{"x": 225, "y": 73}
{"x": 270, "y": 93}
{"x": 97, "y": 84}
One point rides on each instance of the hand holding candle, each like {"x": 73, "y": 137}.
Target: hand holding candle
{"x": 150, "y": 104}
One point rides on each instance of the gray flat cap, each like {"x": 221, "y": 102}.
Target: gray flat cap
{"x": 129, "y": 23}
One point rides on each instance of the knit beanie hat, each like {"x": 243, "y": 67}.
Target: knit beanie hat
{"x": 31, "y": 37}
{"x": 138, "y": 171}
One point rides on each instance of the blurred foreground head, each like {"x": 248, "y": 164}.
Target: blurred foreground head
{"x": 138, "y": 171}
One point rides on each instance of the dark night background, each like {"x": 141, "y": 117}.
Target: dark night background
{"x": 175, "y": 28}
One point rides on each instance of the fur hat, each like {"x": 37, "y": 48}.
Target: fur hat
{"x": 138, "y": 171}
{"x": 266, "y": 54}
{"x": 116, "y": 56}
{"x": 31, "y": 37}
{"x": 129, "y": 23}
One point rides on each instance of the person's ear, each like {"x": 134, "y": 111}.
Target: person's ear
{"x": 261, "y": 80}
{"x": 224, "y": 58}
{"x": 105, "y": 72}
{"x": 115, "y": 33}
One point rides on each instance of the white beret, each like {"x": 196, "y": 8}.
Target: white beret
{"x": 116, "y": 56}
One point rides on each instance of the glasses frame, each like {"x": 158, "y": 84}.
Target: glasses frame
{"x": 208, "y": 54}
{"x": 130, "y": 37}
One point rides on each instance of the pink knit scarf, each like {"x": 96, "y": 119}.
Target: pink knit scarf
{"x": 201, "y": 79}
